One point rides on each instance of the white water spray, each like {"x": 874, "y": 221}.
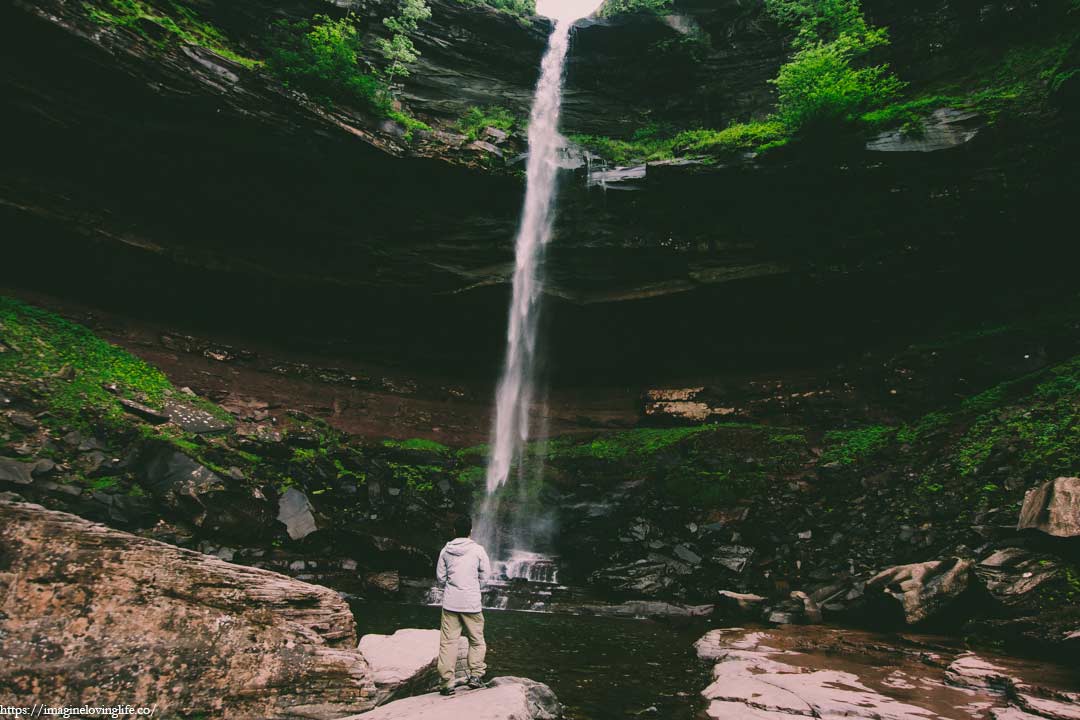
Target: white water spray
{"x": 516, "y": 390}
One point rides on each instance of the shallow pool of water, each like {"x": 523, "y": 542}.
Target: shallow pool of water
{"x": 601, "y": 668}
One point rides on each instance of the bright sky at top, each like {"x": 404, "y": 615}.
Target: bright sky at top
{"x": 567, "y": 10}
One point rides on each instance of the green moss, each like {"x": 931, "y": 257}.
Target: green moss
{"x": 623, "y": 444}
{"x": 848, "y": 447}
{"x": 75, "y": 364}
{"x": 1042, "y": 427}
{"x": 472, "y": 476}
{"x": 417, "y": 444}
{"x": 928, "y": 425}
{"x": 518, "y": 8}
{"x": 407, "y": 121}
{"x": 417, "y": 478}
{"x": 177, "y": 21}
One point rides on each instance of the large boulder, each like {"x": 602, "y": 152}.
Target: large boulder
{"x": 405, "y": 663}
{"x": 95, "y": 616}
{"x": 507, "y": 698}
{"x": 921, "y": 591}
{"x": 1053, "y": 508}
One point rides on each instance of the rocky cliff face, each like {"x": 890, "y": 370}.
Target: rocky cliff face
{"x": 332, "y": 220}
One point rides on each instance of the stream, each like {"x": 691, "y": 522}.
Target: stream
{"x": 601, "y": 668}
{"x": 605, "y": 668}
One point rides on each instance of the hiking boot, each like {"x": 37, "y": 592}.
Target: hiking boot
{"x": 476, "y": 682}
{"x": 447, "y": 690}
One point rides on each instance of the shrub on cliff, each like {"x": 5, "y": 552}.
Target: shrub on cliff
{"x": 320, "y": 56}
{"x": 828, "y": 81}
{"x": 617, "y": 7}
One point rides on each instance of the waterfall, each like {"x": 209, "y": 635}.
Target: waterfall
{"x": 516, "y": 391}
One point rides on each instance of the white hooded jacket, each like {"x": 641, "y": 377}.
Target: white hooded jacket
{"x": 463, "y": 566}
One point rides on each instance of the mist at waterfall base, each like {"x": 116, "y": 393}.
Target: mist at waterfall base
{"x": 511, "y": 518}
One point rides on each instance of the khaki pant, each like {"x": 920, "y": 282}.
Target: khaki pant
{"x": 453, "y": 623}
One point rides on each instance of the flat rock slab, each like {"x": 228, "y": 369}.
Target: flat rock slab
{"x": 508, "y": 698}
{"x": 827, "y": 673}
{"x": 16, "y": 472}
{"x": 405, "y": 663}
{"x": 194, "y": 419}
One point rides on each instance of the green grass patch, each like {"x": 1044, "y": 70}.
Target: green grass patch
{"x": 75, "y": 363}
{"x": 417, "y": 444}
{"x": 848, "y": 447}
{"x": 476, "y": 119}
{"x": 623, "y": 444}
{"x": 174, "y": 20}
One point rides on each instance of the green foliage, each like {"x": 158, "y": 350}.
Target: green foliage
{"x": 320, "y": 57}
{"x": 475, "y": 119}
{"x": 75, "y": 363}
{"x": 178, "y": 22}
{"x": 1040, "y": 430}
{"x": 470, "y": 476}
{"x": 734, "y": 138}
{"x": 624, "y": 444}
{"x": 823, "y": 86}
{"x": 518, "y": 8}
{"x": 417, "y": 444}
{"x": 619, "y": 7}
{"x": 417, "y": 478}
{"x": 398, "y": 49}
{"x": 848, "y": 447}
{"x": 819, "y": 21}
{"x": 928, "y": 425}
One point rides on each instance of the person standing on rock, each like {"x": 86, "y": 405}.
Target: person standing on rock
{"x": 463, "y": 566}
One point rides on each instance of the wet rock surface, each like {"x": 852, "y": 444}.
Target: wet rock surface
{"x": 831, "y": 673}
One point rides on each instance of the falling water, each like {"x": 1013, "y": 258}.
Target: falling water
{"x": 516, "y": 390}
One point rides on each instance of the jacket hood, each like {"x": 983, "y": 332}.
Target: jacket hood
{"x": 459, "y": 546}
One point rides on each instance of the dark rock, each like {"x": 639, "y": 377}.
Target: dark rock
{"x": 1053, "y": 508}
{"x": 922, "y": 590}
{"x": 687, "y": 555}
{"x": 733, "y": 557}
{"x": 43, "y": 467}
{"x": 1018, "y": 578}
{"x": 946, "y": 128}
{"x": 485, "y": 147}
{"x": 23, "y": 421}
{"x": 197, "y": 494}
{"x": 387, "y": 582}
{"x": 16, "y": 472}
{"x": 739, "y": 605}
{"x": 811, "y": 613}
{"x": 145, "y": 412}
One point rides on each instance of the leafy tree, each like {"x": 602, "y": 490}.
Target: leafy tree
{"x": 828, "y": 81}
{"x": 399, "y": 50}
{"x": 320, "y": 56}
